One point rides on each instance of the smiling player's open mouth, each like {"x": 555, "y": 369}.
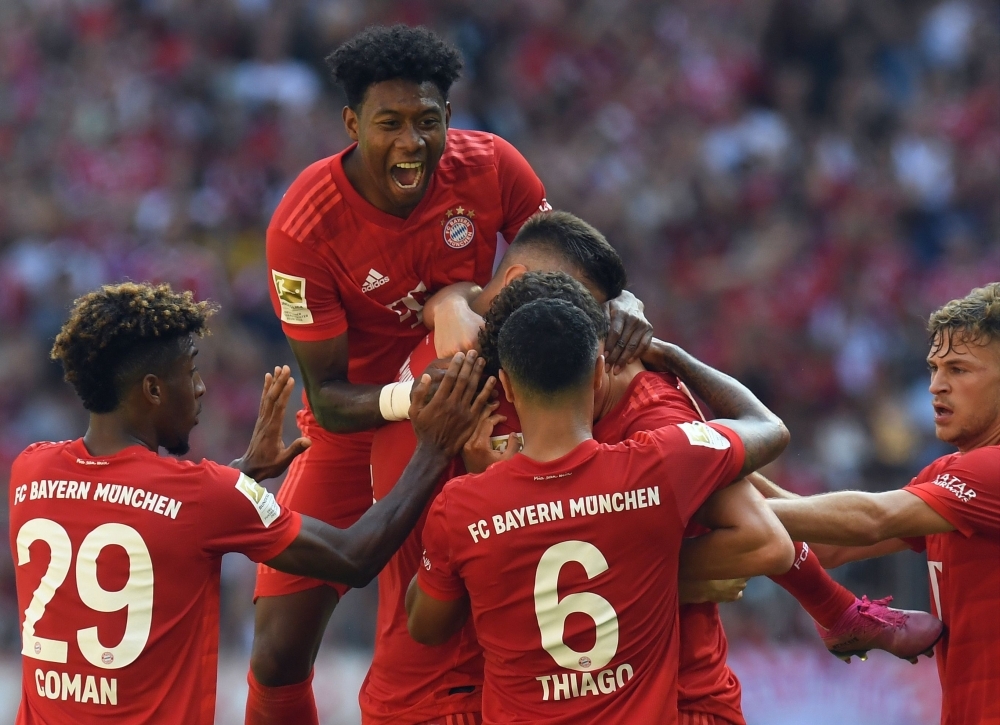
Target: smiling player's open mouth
{"x": 407, "y": 175}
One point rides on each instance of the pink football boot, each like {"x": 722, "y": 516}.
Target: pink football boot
{"x": 867, "y": 625}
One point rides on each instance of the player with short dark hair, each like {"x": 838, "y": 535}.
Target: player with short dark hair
{"x": 639, "y": 399}
{"x": 571, "y": 527}
{"x": 951, "y": 508}
{"x": 409, "y": 683}
{"x": 118, "y": 550}
{"x": 356, "y": 247}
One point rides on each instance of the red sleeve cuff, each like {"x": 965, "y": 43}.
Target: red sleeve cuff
{"x": 739, "y": 450}
{"x": 941, "y": 508}
{"x": 443, "y": 594}
{"x": 282, "y": 543}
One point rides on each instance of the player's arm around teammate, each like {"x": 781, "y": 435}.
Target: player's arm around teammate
{"x": 355, "y": 555}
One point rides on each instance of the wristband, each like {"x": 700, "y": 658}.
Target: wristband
{"x": 394, "y": 401}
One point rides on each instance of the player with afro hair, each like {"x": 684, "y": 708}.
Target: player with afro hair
{"x": 121, "y": 331}
{"x": 381, "y": 53}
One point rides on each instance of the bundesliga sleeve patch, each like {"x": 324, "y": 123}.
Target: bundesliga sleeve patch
{"x": 292, "y": 297}
{"x": 262, "y": 499}
{"x": 699, "y": 434}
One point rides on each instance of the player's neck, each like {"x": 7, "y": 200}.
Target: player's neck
{"x": 551, "y": 431}
{"x": 989, "y": 437}
{"x": 110, "y": 433}
{"x": 618, "y": 386}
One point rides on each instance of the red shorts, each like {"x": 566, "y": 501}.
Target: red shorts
{"x": 466, "y": 718}
{"x": 690, "y": 717}
{"x": 331, "y": 482}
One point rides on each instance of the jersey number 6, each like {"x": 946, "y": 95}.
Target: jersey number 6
{"x": 137, "y": 594}
{"x": 552, "y": 612}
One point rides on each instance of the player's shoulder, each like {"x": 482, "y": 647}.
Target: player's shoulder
{"x": 468, "y": 149}
{"x": 42, "y": 450}
{"x": 981, "y": 463}
{"x": 651, "y": 388}
{"x": 310, "y": 200}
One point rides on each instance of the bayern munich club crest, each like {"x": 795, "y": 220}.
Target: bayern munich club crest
{"x": 458, "y": 227}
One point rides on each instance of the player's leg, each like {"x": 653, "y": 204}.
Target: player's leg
{"x": 331, "y": 481}
{"x": 851, "y": 626}
{"x": 288, "y": 630}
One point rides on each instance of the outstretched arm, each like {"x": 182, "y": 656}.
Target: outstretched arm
{"x": 746, "y": 538}
{"x": 855, "y": 518}
{"x": 355, "y": 556}
{"x": 763, "y": 434}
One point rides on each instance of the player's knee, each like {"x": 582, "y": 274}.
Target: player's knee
{"x": 275, "y": 664}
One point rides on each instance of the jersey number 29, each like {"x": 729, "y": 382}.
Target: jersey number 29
{"x": 136, "y": 595}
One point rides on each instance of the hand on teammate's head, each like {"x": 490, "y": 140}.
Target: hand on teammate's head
{"x": 448, "y": 417}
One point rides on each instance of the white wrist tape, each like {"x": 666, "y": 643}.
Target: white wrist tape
{"x": 394, "y": 401}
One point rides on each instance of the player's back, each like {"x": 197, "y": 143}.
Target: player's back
{"x": 571, "y": 567}
{"x": 118, "y": 580}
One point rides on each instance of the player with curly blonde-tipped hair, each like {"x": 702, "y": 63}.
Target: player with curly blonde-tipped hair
{"x": 118, "y": 549}
{"x": 951, "y": 509}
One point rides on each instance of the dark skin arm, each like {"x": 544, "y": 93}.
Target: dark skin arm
{"x": 354, "y": 556}
{"x": 434, "y": 621}
{"x": 339, "y": 406}
{"x": 763, "y": 434}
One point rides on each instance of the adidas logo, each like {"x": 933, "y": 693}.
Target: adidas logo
{"x": 374, "y": 281}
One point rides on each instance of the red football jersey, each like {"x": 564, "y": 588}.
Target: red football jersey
{"x": 602, "y": 532}
{"x": 408, "y": 682}
{"x": 964, "y": 567}
{"x": 337, "y": 263}
{"x": 704, "y": 681}
{"x": 118, "y": 563}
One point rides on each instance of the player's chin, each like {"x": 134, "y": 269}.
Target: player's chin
{"x": 179, "y": 448}
{"x": 407, "y": 195}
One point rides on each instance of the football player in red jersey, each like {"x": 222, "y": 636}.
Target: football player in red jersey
{"x": 409, "y": 683}
{"x": 355, "y": 247}
{"x": 567, "y": 554}
{"x": 640, "y": 400}
{"x": 118, "y": 550}
{"x": 951, "y": 508}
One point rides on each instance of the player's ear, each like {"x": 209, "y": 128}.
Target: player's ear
{"x": 513, "y": 272}
{"x": 507, "y": 389}
{"x": 351, "y": 122}
{"x": 152, "y": 389}
{"x": 447, "y": 114}
{"x": 599, "y": 372}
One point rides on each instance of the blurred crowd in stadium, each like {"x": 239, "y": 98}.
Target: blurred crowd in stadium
{"x": 794, "y": 186}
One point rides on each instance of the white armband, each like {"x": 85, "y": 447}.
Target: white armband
{"x": 394, "y": 401}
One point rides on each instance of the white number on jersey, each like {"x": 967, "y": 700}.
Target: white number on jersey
{"x": 552, "y": 612}
{"x": 136, "y": 595}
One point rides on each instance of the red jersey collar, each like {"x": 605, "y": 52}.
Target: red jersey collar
{"x": 522, "y": 464}
{"x": 78, "y": 449}
{"x": 363, "y": 207}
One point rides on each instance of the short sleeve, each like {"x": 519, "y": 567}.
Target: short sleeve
{"x": 238, "y": 514}
{"x": 303, "y": 290}
{"x": 521, "y": 191}
{"x": 437, "y": 575}
{"x": 966, "y": 493}
{"x": 697, "y": 459}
